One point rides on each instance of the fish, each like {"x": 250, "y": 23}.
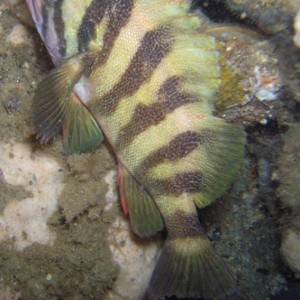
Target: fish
{"x": 142, "y": 75}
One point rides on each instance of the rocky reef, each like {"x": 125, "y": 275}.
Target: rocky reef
{"x": 62, "y": 232}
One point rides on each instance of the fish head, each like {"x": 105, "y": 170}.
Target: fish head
{"x": 43, "y": 15}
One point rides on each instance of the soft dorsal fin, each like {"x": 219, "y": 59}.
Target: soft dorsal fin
{"x": 145, "y": 218}
{"x": 56, "y": 107}
{"x": 225, "y": 153}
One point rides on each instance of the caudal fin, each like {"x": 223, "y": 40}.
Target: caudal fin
{"x": 190, "y": 268}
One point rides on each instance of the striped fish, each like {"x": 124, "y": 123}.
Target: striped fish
{"x": 141, "y": 73}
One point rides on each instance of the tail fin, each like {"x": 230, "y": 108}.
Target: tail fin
{"x": 190, "y": 268}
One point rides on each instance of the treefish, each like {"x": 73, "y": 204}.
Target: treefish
{"x": 140, "y": 73}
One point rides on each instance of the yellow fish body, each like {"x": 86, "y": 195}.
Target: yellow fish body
{"x": 138, "y": 71}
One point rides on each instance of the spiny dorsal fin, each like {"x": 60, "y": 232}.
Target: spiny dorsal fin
{"x": 56, "y": 107}
{"x": 145, "y": 218}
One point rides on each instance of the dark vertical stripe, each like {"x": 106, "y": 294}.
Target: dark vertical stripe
{"x": 93, "y": 16}
{"x": 153, "y": 48}
{"x": 186, "y": 182}
{"x": 179, "y": 147}
{"x": 59, "y": 26}
{"x": 118, "y": 14}
{"x": 170, "y": 96}
{"x": 44, "y": 18}
{"x": 184, "y": 224}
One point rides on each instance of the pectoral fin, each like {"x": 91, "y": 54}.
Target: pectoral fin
{"x": 51, "y": 102}
{"x": 145, "y": 218}
{"x": 56, "y": 107}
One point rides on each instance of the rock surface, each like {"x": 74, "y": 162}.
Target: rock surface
{"x": 76, "y": 243}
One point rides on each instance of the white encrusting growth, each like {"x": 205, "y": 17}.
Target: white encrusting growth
{"x": 111, "y": 196}
{"x": 19, "y": 36}
{"x": 297, "y": 29}
{"x": 25, "y": 221}
{"x": 290, "y": 249}
{"x": 135, "y": 258}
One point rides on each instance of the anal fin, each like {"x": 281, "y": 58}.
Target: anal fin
{"x": 145, "y": 217}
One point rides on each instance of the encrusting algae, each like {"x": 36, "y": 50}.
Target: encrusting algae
{"x": 146, "y": 79}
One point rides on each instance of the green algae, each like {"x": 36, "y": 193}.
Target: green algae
{"x": 230, "y": 92}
